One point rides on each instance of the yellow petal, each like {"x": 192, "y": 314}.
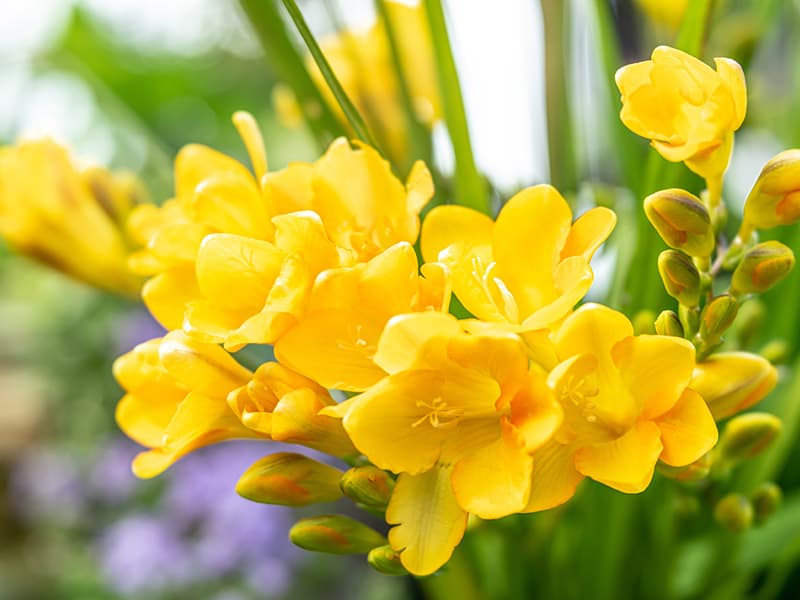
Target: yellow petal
{"x": 688, "y": 431}
{"x": 450, "y": 225}
{"x": 625, "y": 464}
{"x": 166, "y": 295}
{"x": 732, "y": 74}
{"x": 429, "y": 524}
{"x": 205, "y": 368}
{"x": 231, "y": 205}
{"x": 288, "y": 190}
{"x": 251, "y": 135}
{"x": 144, "y": 418}
{"x": 554, "y": 477}
{"x": 655, "y": 369}
{"x": 303, "y": 235}
{"x": 210, "y": 323}
{"x": 592, "y": 329}
{"x": 573, "y": 277}
{"x": 730, "y": 382}
{"x": 590, "y": 230}
{"x": 419, "y": 187}
{"x": 404, "y": 337}
{"x": 195, "y": 163}
{"x": 528, "y": 236}
{"x": 333, "y": 348}
{"x": 494, "y": 481}
{"x": 389, "y": 424}
{"x": 535, "y": 415}
{"x": 237, "y": 272}
{"x": 296, "y": 419}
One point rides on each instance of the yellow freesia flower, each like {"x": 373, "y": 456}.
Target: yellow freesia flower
{"x": 362, "y": 62}
{"x": 627, "y": 404}
{"x": 688, "y": 110}
{"x": 67, "y": 219}
{"x": 284, "y": 405}
{"x": 526, "y": 270}
{"x": 458, "y": 418}
{"x": 175, "y": 399}
{"x": 664, "y": 12}
{"x": 336, "y": 339}
{"x": 730, "y": 382}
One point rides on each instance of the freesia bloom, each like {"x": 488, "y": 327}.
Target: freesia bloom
{"x": 627, "y": 404}
{"x": 526, "y": 270}
{"x": 285, "y": 406}
{"x": 665, "y": 12}
{"x": 687, "y": 110}
{"x": 730, "y": 382}
{"x": 335, "y": 341}
{"x": 458, "y": 418}
{"x": 175, "y": 399}
{"x": 67, "y": 219}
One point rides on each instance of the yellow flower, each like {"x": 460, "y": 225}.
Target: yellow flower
{"x": 65, "y": 218}
{"x": 626, "y": 405}
{"x": 336, "y": 339}
{"x": 363, "y": 64}
{"x": 526, "y": 270}
{"x": 730, "y": 382}
{"x": 687, "y": 110}
{"x": 664, "y": 12}
{"x": 175, "y": 399}
{"x": 285, "y": 406}
{"x": 458, "y": 418}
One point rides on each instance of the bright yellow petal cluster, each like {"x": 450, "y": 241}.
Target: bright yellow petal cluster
{"x": 627, "y": 404}
{"x": 527, "y": 270}
{"x": 66, "y": 218}
{"x": 458, "y": 418}
{"x": 363, "y": 64}
{"x": 688, "y": 110}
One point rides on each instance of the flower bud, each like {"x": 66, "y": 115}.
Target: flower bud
{"x": 695, "y": 471}
{"x": 385, "y": 560}
{"x": 734, "y": 512}
{"x": 746, "y": 436}
{"x": 775, "y": 197}
{"x": 682, "y": 221}
{"x": 717, "y": 316}
{"x": 368, "y": 485}
{"x": 776, "y": 351}
{"x": 668, "y": 323}
{"x": 289, "y": 479}
{"x": 766, "y": 499}
{"x": 730, "y": 382}
{"x": 335, "y": 534}
{"x": 762, "y": 267}
{"x": 681, "y": 278}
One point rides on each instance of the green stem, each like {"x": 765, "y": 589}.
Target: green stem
{"x": 349, "y": 110}
{"x": 290, "y": 66}
{"x": 470, "y": 188}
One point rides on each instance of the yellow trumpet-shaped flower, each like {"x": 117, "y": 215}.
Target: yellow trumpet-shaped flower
{"x": 526, "y": 270}
{"x": 285, "y": 406}
{"x": 458, "y": 418}
{"x": 627, "y": 404}
{"x": 363, "y": 64}
{"x": 336, "y": 339}
{"x": 175, "y": 399}
{"x": 65, "y": 218}
{"x": 688, "y": 110}
{"x": 730, "y": 382}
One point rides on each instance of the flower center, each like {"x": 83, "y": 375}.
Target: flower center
{"x": 578, "y": 394}
{"x": 440, "y": 415}
{"x": 495, "y": 289}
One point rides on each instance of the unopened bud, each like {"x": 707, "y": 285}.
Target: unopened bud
{"x": 289, "y": 479}
{"x": 730, "y": 382}
{"x": 681, "y": 278}
{"x": 775, "y": 198}
{"x": 682, "y": 221}
{"x": 717, "y": 316}
{"x": 734, "y": 512}
{"x": 749, "y": 320}
{"x": 368, "y": 485}
{"x": 695, "y": 471}
{"x": 668, "y": 323}
{"x": 385, "y": 560}
{"x": 335, "y": 534}
{"x": 766, "y": 499}
{"x": 748, "y": 435}
{"x": 762, "y": 267}
{"x": 776, "y": 351}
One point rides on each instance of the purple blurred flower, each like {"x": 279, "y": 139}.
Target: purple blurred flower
{"x": 111, "y": 479}
{"x": 134, "y": 328}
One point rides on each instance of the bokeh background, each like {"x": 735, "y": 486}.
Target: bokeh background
{"x": 125, "y": 83}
